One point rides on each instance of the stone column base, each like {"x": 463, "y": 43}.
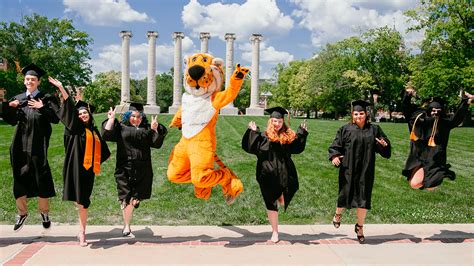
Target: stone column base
{"x": 254, "y": 111}
{"x": 173, "y": 109}
{"x": 152, "y": 109}
{"x": 229, "y": 111}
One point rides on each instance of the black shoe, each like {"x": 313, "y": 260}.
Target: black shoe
{"x": 126, "y": 231}
{"x": 361, "y": 238}
{"x": 20, "y": 221}
{"x": 46, "y": 221}
{"x": 335, "y": 218}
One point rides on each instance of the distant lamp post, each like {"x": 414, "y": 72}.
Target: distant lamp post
{"x": 265, "y": 96}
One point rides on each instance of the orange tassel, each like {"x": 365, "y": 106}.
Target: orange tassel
{"x": 413, "y": 136}
{"x": 431, "y": 142}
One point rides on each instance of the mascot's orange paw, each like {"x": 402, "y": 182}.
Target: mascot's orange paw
{"x": 240, "y": 72}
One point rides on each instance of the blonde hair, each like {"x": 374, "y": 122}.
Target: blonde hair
{"x": 285, "y": 135}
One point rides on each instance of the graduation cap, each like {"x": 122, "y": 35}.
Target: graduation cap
{"x": 277, "y": 112}
{"x": 136, "y": 107}
{"x": 33, "y": 70}
{"x": 359, "y": 105}
{"x": 435, "y": 102}
{"x": 83, "y": 105}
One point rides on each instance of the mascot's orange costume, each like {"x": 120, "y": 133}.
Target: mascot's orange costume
{"x": 192, "y": 159}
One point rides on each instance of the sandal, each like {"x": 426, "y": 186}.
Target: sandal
{"x": 357, "y": 229}
{"x": 336, "y": 220}
{"x": 126, "y": 231}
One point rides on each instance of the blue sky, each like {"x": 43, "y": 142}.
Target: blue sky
{"x": 291, "y": 29}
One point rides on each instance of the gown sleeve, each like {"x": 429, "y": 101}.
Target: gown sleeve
{"x": 337, "y": 146}
{"x": 460, "y": 113}
{"x": 254, "y": 142}
{"x": 299, "y": 144}
{"x": 113, "y": 134}
{"x": 386, "y": 151}
{"x": 408, "y": 108}
{"x": 50, "y": 108}
{"x": 69, "y": 116}
{"x": 9, "y": 114}
{"x": 158, "y": 137}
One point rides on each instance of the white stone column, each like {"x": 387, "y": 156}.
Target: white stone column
{"x": 125, "y": 84}
{"x": 229, "y": 68}
{"x": 126, "y": 35}
{"x": 151, "y": 107}
{"x": 255, "y": 108}
{"x": 204, "y": 36}
{"x": 177, "y": 77}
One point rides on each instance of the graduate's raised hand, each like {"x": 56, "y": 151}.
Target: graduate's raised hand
{"x": 336, "y": 160}
{"x": 154, "y": 122}
{"x": 304, "y": 125}
{"x": 252, "y": 125}
{"x": 111, "y": 113}
{"x": 36, "y": 104}
{"x": 382, "y": 142}
{"x": 470, "y": 96}
{"x": 59, "y": 85}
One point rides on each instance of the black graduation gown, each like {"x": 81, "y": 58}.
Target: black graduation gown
{"x": 276, "y": 173}
{"x": 78, "y": 182}
{"x": 29, "y": 148}
{"x": 432, "y": 159}
{"x": 356, "y": 171}
{"x": 133, "y": 169}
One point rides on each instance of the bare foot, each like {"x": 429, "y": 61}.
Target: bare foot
{"x": 274, "y": 238}
{"x": 81, "y": 237}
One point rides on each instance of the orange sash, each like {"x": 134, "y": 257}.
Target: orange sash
{"x": 92, "y": 143}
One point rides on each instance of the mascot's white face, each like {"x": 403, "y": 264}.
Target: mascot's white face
{"x": 203, "y": 74}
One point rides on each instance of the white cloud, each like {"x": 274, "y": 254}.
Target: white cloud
{"x": 105, "y": 12}
{"x": 333, "y": 20}
{"x": 253, "y": 16}
{"x": 110, "y": 58}
{"x": 268, "y": 54}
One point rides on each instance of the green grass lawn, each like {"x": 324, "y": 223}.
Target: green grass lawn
{"x": 393, "y": 201}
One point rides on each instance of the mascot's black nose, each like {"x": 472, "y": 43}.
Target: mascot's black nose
{"x": 196, "y": 72}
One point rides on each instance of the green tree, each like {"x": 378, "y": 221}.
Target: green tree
{"x": 446, "y": 62}
{"x": 334, "y": 91}
{"x": 381, "y": 57}
{"x": 285, "y": 73}
{"x": 243, "y": 98}
{"x": 54, "y": 44}
{"x": 104, "y": 91}
{"x": 164, "y": 90}
{"x": 301, "y": 94}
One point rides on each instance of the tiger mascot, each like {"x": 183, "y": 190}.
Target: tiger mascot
{"x": 192, "y": 159}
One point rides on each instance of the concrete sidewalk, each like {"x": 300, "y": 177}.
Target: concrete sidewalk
{"x": 300, "y": 244}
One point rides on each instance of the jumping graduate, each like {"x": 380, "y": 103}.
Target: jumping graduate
{"x": 133, "y": 170}
{"x": 353, "y": 151}
{"x": 32, "y": 112}
{"x": 85, "y": 151}
{"x": 276, "y": 172}
{"x": 429, "y": 129}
